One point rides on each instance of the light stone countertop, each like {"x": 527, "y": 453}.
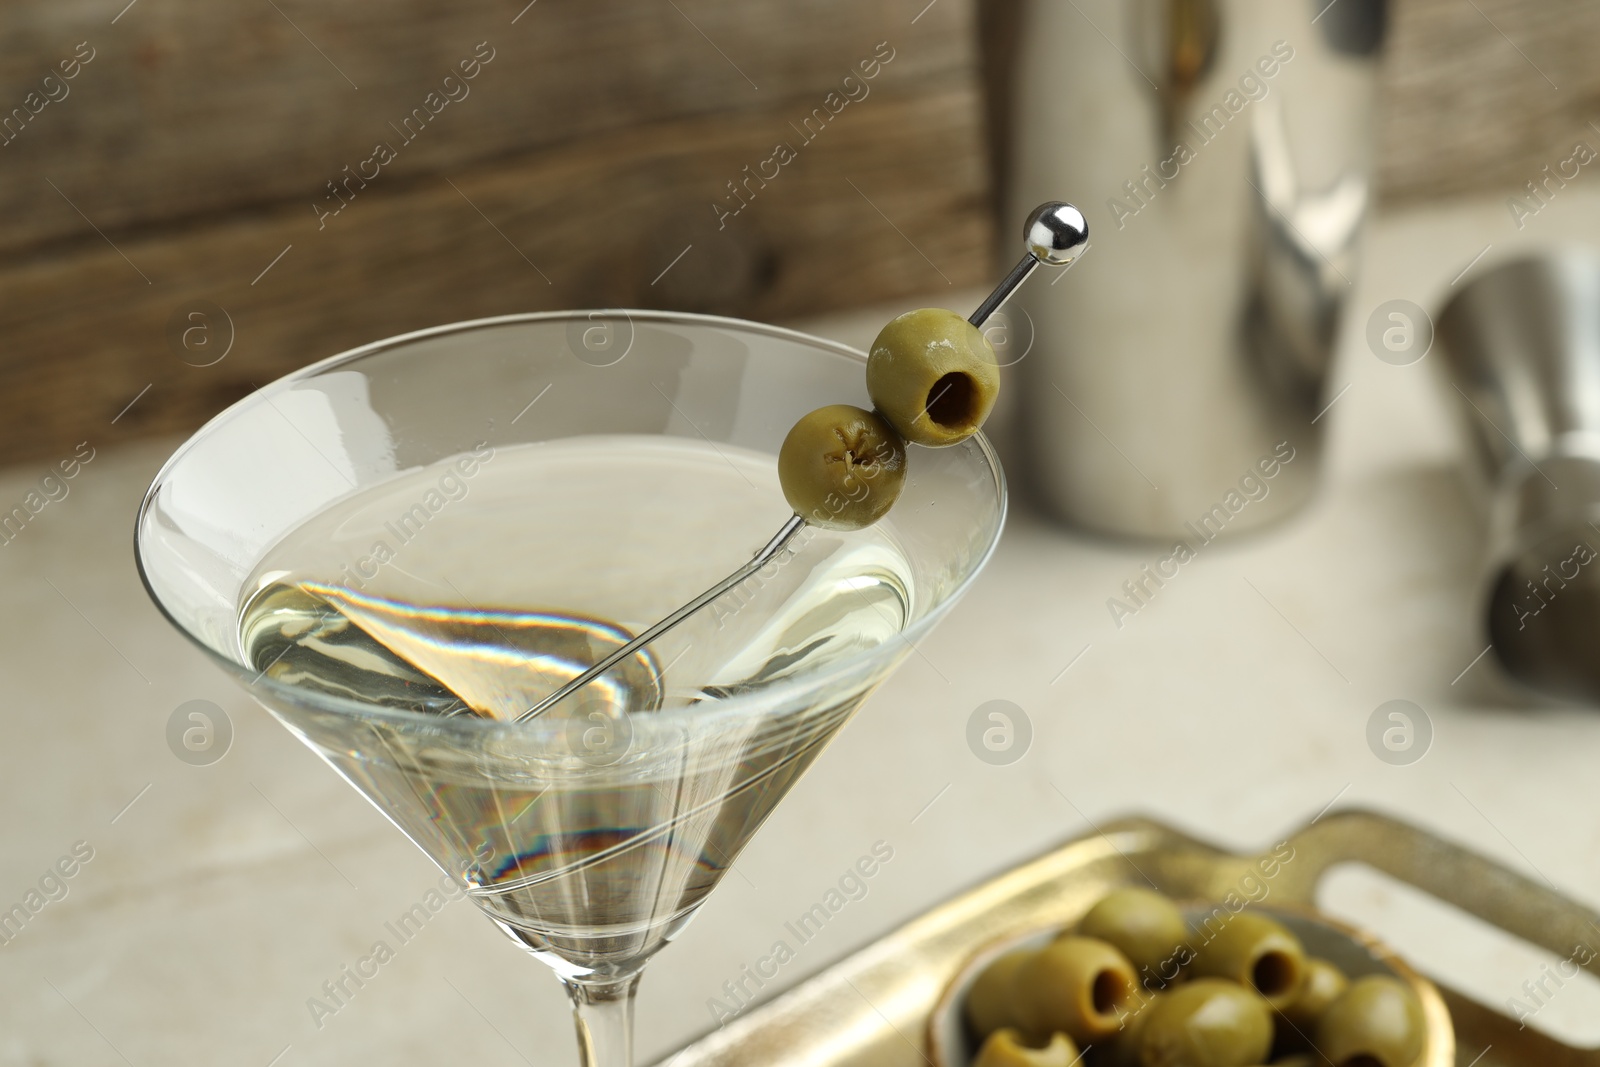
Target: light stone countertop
{"x": 218, "y": 899}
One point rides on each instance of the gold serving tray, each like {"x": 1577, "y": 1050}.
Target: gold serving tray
{"x": 873, "y": 1008}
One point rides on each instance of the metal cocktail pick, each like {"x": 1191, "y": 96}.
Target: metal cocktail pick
{"x": 1055, "y": 233}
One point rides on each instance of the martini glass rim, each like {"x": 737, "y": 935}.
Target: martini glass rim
{"x": 737, "y": 705}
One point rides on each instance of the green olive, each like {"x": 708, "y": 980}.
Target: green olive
{"x": 992, "y": 998}
{"x": 842, "y": 467}
{"x": 1302, "y": 1059}
{"x": 1004, "y": 1048}
{"x": 1209, "y": 1022}
{"x": 1145, "y": 925}
{"x": 1077, "y": 985}
{"x": 933, "y": 375}
{"x": 1377, "y": 1020}
{"x": 1255, "y": 951}
{"x": 1323, "y": 985}
{"x": 1121, "y": 1049}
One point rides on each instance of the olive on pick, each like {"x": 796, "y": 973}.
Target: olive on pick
{"x": 933, "y": 375}
{"x": 1145, "y": 925}
{"x": 1257, "y": 952}
{"x": 1076, "y": 985}
{"x": 842, "y": 467}
{"x": 1005, "y": 1048}
{"x": 1378, "y": 1021}
{"x": 1209, "y": 1022}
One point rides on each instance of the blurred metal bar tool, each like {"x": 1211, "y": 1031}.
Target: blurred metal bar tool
{"x": 1221, "y": 151}
{"x": 1522, "y": 345}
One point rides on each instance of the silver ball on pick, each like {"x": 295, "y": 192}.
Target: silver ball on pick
{"x": 1055, "y": 233}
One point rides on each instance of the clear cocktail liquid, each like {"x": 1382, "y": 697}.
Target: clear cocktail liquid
{"x": 472, "y": 589}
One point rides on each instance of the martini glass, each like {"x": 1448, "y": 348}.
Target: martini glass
{"x": 400, "y": 550}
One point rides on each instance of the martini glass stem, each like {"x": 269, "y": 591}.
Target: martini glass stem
{"x": 603, "y": 1012}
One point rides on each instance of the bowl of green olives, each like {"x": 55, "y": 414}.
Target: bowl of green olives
{"x": 1145, "y": 981}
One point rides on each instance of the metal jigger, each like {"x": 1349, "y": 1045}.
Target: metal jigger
{"x": 1055, "y": 233}
{"x": 1522, "y": 342}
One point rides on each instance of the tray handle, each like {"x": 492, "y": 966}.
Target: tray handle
{"x": 1530, "y": 909}
{"x": 1527, "y": 908}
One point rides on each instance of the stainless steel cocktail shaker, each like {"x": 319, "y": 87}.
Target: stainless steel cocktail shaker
{"x": 1220, "y": 150}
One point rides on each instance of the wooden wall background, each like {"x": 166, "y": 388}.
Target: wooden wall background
{"x": 1482, "y": 94}
{"x": 179, "y": 171}
{"x": 587, "y": 156}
